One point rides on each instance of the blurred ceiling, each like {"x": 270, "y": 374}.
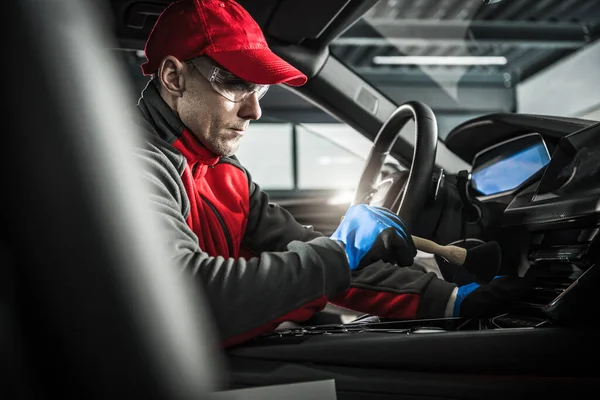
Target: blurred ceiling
{"x": 520, "y": 36}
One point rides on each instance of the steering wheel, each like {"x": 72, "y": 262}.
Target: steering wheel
{"x": 407, "y": 203}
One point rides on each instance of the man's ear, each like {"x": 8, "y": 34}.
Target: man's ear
{"x": 171, "y": 76}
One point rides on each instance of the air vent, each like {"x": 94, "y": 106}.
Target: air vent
{"x": 553, "y": 278}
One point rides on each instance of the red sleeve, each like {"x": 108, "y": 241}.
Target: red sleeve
{"x": 390, "y": 291}
{"x": 301, "y": 314}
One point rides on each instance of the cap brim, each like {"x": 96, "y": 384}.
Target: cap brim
{"x": 260, "y": 66}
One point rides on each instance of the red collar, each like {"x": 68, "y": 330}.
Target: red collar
{"x": 194, "y": 151}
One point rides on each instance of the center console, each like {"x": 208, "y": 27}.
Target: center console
{"x": 545, "y": 345}
{"x": 548, "y": 333}
{"x": 552, "y": 233}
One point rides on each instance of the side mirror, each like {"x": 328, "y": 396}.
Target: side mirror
{"x": 503, "y": 167}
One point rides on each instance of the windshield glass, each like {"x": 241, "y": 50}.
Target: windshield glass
{"x": 465, "y": 58}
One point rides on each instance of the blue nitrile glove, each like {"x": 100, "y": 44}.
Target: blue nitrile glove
{"x": 370, "y": 234}
{"x": 491, "y": 299}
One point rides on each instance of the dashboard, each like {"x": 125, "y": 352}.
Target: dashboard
{"x": 569, "y": 188}
{"x": 548, "y": 230}
{"x": 551, "y": 230}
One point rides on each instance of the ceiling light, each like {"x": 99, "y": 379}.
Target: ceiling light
{"x": 438, "y": 60}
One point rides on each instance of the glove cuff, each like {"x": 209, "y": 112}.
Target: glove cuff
{"x": 449, "y": 312}
{"x": 343, "y": 246}
{"x": 434, "y": 298}
{"x": 462, "y": 292}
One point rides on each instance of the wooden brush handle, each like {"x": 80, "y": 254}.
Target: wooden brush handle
{"x": 454, "y": 254}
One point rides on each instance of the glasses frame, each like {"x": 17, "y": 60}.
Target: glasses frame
{"x": 217, "y": 76}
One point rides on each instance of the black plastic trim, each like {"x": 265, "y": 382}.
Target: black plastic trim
{"x": 519, "y": 350}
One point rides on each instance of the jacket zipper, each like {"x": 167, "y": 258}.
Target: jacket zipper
{"x": 222, "y": 223}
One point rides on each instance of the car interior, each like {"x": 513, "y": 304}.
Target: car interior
{"x": 91, "y": 309}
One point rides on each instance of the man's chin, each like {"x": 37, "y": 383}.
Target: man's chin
{"x": 226, "y": 149}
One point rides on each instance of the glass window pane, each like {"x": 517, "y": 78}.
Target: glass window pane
{"x": 332, "y": 156}
{"x": 327, "y": 164}
{"x": 266, "y": 151}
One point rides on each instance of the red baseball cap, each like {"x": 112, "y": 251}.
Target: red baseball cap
{"x": 222, "y": 30}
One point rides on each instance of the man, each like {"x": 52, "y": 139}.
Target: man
{"x": 210, "y": 65}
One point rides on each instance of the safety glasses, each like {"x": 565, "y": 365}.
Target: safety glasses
{"x": 227, "y": 84}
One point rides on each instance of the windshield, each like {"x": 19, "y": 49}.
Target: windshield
{"x": 465, "y": 59}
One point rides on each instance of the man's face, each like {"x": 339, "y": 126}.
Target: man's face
{"x": 216, "y": 121}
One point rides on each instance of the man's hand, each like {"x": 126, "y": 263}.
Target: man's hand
{"x": 480, "y": 301}
{"x": 370, "y": 234}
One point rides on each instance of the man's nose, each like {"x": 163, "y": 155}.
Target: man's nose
{"x": 250, "y": 108}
